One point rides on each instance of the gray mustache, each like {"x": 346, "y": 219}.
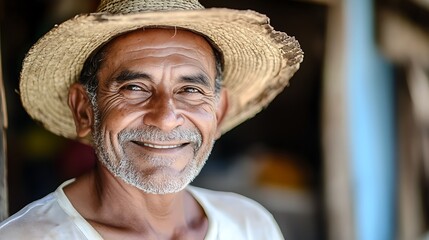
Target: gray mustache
{"x": 153, "y": 134}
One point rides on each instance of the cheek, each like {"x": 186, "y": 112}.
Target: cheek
{"x": 112, "y": 121}
{"x": 116, "y": 115}
{"x": 204, "y": 118}
{"x": 204, "y": 108}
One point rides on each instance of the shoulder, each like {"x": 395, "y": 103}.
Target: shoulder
{"x": 28, "y": 217}
{"x": 41, "y": 219}
{"x": 237, "y": 214}
{"x": 228, "y": 201}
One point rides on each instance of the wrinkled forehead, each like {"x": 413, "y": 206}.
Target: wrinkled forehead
{"x": 159, "y": 46}
{"x": 154, "y": 37}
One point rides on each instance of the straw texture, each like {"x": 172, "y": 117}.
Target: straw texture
{"x": 258, "y": 61}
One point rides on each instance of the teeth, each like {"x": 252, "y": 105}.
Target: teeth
{"x": 161, "y": 146}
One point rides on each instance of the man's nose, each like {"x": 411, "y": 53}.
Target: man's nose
{"x": 162, "y": 113}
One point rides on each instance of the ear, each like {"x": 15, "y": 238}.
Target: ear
{"x": 81, "y": 108}
{"x": 221, "y": 110}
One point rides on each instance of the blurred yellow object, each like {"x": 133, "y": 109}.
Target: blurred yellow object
{"x": 281, "y": 171}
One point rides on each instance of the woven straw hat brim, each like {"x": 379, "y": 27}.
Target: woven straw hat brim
{"x": 258, "y": 60}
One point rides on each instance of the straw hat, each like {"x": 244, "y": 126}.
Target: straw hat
{"x": 258, "y": 61}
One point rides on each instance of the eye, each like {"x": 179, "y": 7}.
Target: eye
{"x": 135, "y": 91}
{"x": 132, "y": 87}
{"x": 191, "y": 90}
{"x": 192, "y": 93}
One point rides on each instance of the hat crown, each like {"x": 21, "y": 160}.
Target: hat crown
{"x": 133, "y": 6}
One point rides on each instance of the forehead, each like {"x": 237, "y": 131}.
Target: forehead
{"x": 159, "y": 39}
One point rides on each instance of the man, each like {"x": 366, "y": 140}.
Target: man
{"x": 151, "y": 85}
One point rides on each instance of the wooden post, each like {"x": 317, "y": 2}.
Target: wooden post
{"x": 4, "y": 212}
{"x": 411, "y": 52}
{"x": 338, "y": 188}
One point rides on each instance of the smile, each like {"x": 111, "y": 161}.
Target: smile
{"x": 161, "y": 146}
{"x": 157, "y": 146}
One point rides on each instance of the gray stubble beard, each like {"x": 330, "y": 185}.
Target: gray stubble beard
{"x": 126, "y": 169}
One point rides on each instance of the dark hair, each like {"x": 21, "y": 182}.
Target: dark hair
{"x": 88, "y": 76}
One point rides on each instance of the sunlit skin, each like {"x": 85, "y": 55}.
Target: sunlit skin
{"x": 156, "y": 79}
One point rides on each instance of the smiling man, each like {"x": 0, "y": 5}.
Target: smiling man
{"x": 156, "y": 109}
{"x": 151, "y": 85}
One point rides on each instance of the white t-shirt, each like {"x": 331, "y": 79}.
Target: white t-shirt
{"x": 230, "y": 216}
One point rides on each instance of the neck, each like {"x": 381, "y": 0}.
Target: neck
{"x": 104, "y": 200}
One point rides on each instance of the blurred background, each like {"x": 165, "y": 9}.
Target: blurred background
{"x": 341, "y": 154}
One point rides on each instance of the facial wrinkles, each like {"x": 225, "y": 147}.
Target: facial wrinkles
{"x": 121, "y": 166}
{"x": 111, "y": 100}
{"x": 100, "y": 139}
{"x": 189, "y": 65}
{"x": 111, "y": 147}
{"x": 196, "y": 50}
{"x": 170, "y": 55}
{"x": 168, "y": 67}
{"x": 183, "y": 74}
{"x": 109, "y": 97}
{"x": 194, "y": 45}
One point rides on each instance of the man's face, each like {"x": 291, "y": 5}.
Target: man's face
{"x": 157, "y": 113}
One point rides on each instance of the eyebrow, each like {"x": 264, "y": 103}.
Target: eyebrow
{"x": 198, "y": 79}
{"x": 128, "y": 75}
